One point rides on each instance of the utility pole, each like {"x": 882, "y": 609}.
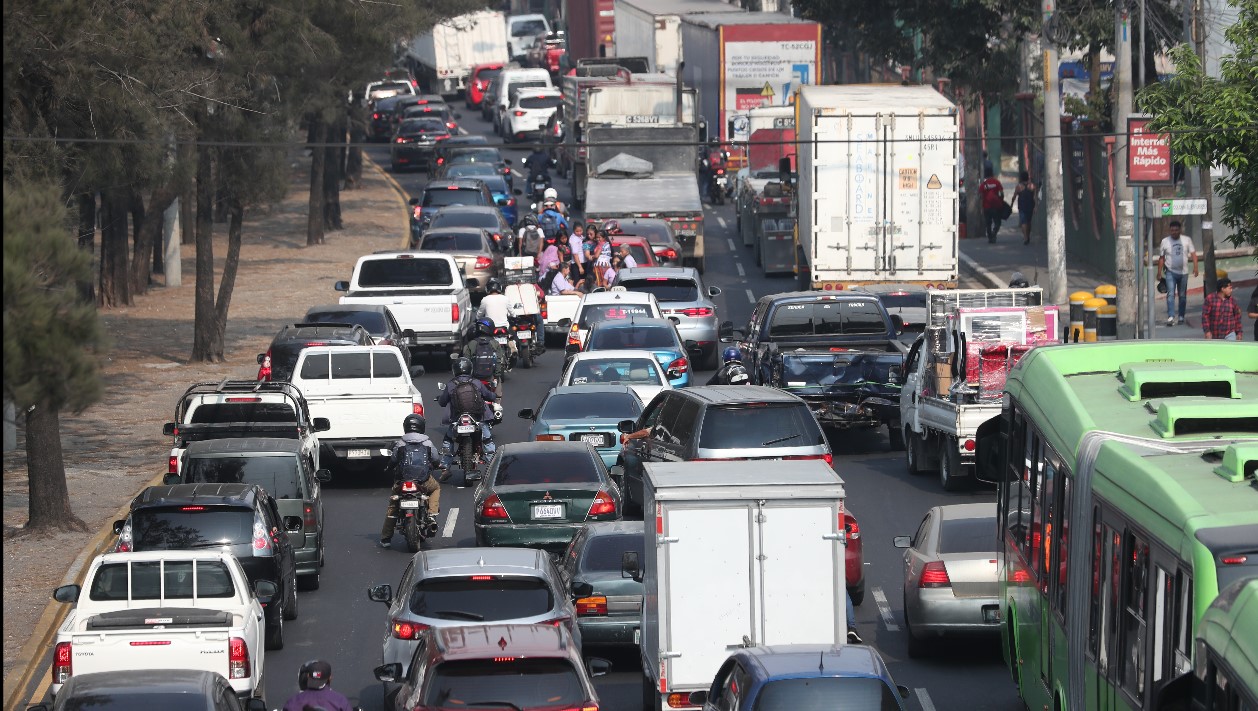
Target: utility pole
{"x": 1054, "y": 195}
{"x": 1124, "y": 245}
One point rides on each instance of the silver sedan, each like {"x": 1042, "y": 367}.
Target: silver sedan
{"x": 950, "y": 575}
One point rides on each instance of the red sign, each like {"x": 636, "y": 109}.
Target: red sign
{"x": 1148, "y": 155}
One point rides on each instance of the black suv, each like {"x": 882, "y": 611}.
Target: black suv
{"x": 376, "y": 318}
{"x": 243, "y": 518}
{"x": 281, "y": 357}
{"x": 453, "y": 191}
{"x": 723, "y": 422}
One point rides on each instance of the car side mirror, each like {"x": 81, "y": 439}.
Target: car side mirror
{"x": 618, "y": 474}
{"x": 597, "y": 666}
{"x": 381, "y": 593}
{"x": 627, "y": 426}
{"x": 582, "y": 589}
{"x": 292, "y": 524}
{"x": 408, "y": 333}
{"x": 266, "y": 590}
{"x": 321, "y": 424}
{"x": 168, "y": 429}
{"x": 67, "y": 593}
{"x": 388, "y": 672}
{"x": 714, "y": 291}
{"x": 323, "y": 476}
{"x": 629, "y": 567}
{"x": 261, "y": 357}
{"x": 904, "y": 690}
{"x": 525, "y": 414}
{"x": 902, "y": 541}
{"x": 897, "y": 323}
{"x": 676, "y": 321}
{"x": 698, "y": 698}
{"x": 118, "y": 526}
{"x": 170, "y": 480}
{"x": 341, "y": 286}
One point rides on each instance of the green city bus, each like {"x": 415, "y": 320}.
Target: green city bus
{"x": 1126, "y": 501}
{"x": 1226, "y": 664}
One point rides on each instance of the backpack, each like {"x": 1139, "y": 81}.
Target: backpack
{"x": 414, "y": 462}
{"x": 736, "y": 375}
{"x": 549, "y": 222}
{"x": 466, "y": 399}
{"x": 485, "y": 360}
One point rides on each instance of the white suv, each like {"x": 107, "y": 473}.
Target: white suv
{"x": 614, "y": 304}
{"x": 529, "y": 111}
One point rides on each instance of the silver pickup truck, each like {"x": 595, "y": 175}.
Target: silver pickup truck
{"x": 426, "y": 293}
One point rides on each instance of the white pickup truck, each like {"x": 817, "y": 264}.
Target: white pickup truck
{"x": 168, "y": 609}
{"x": 425, "y": 291}
{"x": 365, "y": 390}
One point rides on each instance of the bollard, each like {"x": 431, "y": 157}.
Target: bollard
{"x": 1076, "y": 314}
{"x": 1109, "y": 292}
{"x": 1089, "y": 318}
{"x": 1107, "y": 323}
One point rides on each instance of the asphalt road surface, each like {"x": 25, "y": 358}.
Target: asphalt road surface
{"x": 338, "y": 623}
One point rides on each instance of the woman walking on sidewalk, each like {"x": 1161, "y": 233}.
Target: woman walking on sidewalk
{"x": 1025, "y": 195}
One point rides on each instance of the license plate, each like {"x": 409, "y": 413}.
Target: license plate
{"x": 502, "y": 340}
{"x": 358, "y": 454}
{"x": 991, "y": 613}
{"x": 548, "y": 511}
{"x": 637, "y": 635}
{"x": 465, "y": 429}
{"x": 524, "y": 335}
{"x": 594, "y": 439}
{"x": 409, "y": 504}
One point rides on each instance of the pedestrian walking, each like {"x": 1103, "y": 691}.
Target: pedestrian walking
{"x": 992, "y": 197}
{"x": 1025, "y": 195}
{"x": 1173, "y": 255}
{"x": 1221, "y": 315}
{"x": 1253, "y": 311}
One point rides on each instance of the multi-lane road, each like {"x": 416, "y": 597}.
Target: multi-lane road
{"x": 340, "y": 624}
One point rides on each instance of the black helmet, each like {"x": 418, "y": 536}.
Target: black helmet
{"x": 485, "y": 327}
{"x": 493, "y": 286}
{"x": 414, "y": 423}
{"x": 463, "y": 366}
{"x": 314, "y": 674}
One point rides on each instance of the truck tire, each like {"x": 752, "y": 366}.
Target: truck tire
{"x": 275, "y": 634}
{"x": 949, "y": 465}
{"x": 650, "y": 694}
{"x": 913, "y": 452}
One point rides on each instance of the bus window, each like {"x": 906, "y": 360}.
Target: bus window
{"x": 1046, "y": 515}
{"x": 1163, "y": 612}
{"x": 1135, "y": 615}
{"x": 1109, "y": 605}
{"x": 1098, "y": 573}
{"x": 1182, "y": 632}
{"x": 1062, "y": 543}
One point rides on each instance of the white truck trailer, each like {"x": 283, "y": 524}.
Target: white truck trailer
{"x": 443, "y": 57}
{"x": 651, "y": 29}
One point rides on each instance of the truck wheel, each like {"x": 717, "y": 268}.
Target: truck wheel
{"x": 275, "y": 634}
{"x": 913, "y": 452}
{"x": 895, "y": 436}
{"x": 290, "y": 607}
{"x": 650, "y": 694}
{"x": 949, "y": 465}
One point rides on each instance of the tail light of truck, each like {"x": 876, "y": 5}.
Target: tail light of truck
{"x": 454, "y": 313}
{"x": 309, "y": 518}
{"x": 262, "y": 545}
{"x": 589, "y": 606}
{"x": 124, "y": 539}
{"x": 574, "y": 336}
{"x": 850, "y": 526}
{"x": 679, "y": 700}
{"x": 264, "y": 370}
{"x": 603, "y": 504}
{"x": 403, "y": 629}
{"x": 545, "y": 309}
{"x": 172, "y": 464}
{"x": 969, "y": 445}
{"x": 493, "y": 508}
{"x": 681, "y": 365}
{"x": 828, "y": 458}
{"x": 483, "y": 263}
{"x": 238, "y": 659}
{"x": 62, "y": 663}
{"x": 417, "y": 408}
{"x": 934, "y": 575}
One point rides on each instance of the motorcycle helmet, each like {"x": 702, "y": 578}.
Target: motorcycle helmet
{"x": 729, "y": 355}
{"x": 463, "y": 366}
{"x": 485, "y": 327}
{"x": 551, "y": 194}
{"x": 314, "y": 674}
{"x": 414, "y": 423}
{"x": 493, "y": 286}
{"x": 1018, "y": 281}
{"x": 612, "y": 227}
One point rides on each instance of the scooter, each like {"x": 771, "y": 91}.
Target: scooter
{"x": 538, "y": 184}
{"x": 718, "y": 187}
{"x": 412, "y": 515}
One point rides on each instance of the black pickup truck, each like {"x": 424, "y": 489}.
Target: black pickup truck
{"x": 846, "y": 388}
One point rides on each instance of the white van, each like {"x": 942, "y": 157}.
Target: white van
{"x": 521, "y": 30}
{"x": 515, "y": 78}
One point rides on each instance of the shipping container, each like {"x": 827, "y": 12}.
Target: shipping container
{"x": 443, "y": 57}
{"x": 650, "y": 28}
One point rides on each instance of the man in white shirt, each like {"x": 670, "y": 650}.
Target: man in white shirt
{"x": 1173, "y": 257}
{"x": 560, "y": 284}
{"x": 626, "y": 258}
{"x": 495, "y": 307}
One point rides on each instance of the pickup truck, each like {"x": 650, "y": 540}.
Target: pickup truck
{"x": 170, "y": 609}
{"x": 810, "y": 319}
{"x": 846, "y": 388}
{"x": 242, "y": 408}
{"x": 365, "y": 390}
{"x": 426, "y": 292}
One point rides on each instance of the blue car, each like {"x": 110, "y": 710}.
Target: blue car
{"x": 502, "y": 196}
{"x": 657, "y": 335}
{"x": 789, "y": 677}
{"x": 584, "y": 413}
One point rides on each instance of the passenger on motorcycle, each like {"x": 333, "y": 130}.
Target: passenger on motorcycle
{"x": 413, "y": 427}
{"x": 496, "y": 308}
{"x": 461, "y": 394}
{"x": 732, "y": 370}
{"x": 488, "y": 356}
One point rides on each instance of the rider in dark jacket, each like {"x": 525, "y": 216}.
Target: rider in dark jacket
{"x": 732, "y": 371}
{"x": 463, "y": 374}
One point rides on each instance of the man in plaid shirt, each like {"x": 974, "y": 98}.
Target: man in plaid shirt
{"x": 1221, "y": 315}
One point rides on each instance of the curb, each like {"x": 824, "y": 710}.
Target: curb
{"x": 402, "y": 196}
{"x": 984, "y": 274}
{"x": 32, "y": 658}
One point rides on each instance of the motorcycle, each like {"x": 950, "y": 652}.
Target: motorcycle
{"x": 502, "y": 334}
{"x": 538, "y": 183}
{"x": 718, "y": 187}
{"x": 412, "y": 517}
{"x": 527, "y": 344}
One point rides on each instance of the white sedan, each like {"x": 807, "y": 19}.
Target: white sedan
{"x": 636, "y": 369}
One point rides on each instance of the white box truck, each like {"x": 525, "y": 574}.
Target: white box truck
{"x": 877, "y": 199}
{"x": 443, "y": 58}
{"x": 651, "y": 29}
{"x": 736, "y": 554}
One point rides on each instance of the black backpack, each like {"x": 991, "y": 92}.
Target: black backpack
{"x": 414, "y": 462}
{"x": 485, "y": 361}
{"x": 466, "y": 399}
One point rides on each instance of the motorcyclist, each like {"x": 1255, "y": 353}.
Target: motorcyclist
{"x": 553, "y": 194}
{"x": 413, "y": 433}
{"x": 314, "y": 679}
{"x": 450, "y": 397}
{"x": 481, "y": 350}
{"x": 496, "y": 308}
{"x": 713, "y": 159}
{"x": 538, "y": 163}
{"x": 732, "y": 370}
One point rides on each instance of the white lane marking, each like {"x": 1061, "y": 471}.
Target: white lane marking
{"x": 739, "y": 267}
{"x": 884, "y": 609}
{"x": 751, "y": 297}
{"x": 732, "y": 248}
{"x": 923, "y": 698}
{"x": 451, "y": 517}
{"x": 720, "y": 220}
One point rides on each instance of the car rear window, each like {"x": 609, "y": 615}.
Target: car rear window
{"x": 405, "y": 272}
{"x": 488, "y": 73}
{"x": 516, "y": 86}
{"x": 638, "y": 252}
{"x": 615, "y": 370}
{"x": 481, "y": 598}
{"x": 907, "y": 300}
{"x": 579, "y": 406}
{"x": 476, "y": 155}
{"x": 632, "y": 337}
{"x": 506, "y": 682}
{"x": 183, "y": 527}
{"x": 664, "y": 288}
{"x": 373, "y": 321}
{"x": 540, "y": 102}
{"x": 603, "y": 553}
{"x": 212, "y": 580}
{"x": 278, "y": 474}
{"x": 351, "y": 366}
{"x": 452, "y": 242}
{"x": 470, "y": 170}
{"x": 284, "y": 357}
{"x": 464, "y": 218}
{"x": 757, "y": 426}
{"x": 654, "y": 232}
{"x": 574, "y": 466}
{"x": 823, "y": 694}
{"x": 123, "y": 700}
{"x": 827, "y": 318}
{"x": 390, "y": 89}
{"x": 597, "y": 313}
{"x": 528, "y": 28}
{"x": 216, "y": 413}
{"x": 967, "y": 535}
{"x": 413, "y": 127}
{"x": 440, "y": 197}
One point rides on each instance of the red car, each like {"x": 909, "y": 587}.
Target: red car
{"x": 639, "y": 249}
{"x": 855, "y": 554}
{"x": 482, "y": 74}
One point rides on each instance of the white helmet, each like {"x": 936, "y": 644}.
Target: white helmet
{"x": 551, "y": 194}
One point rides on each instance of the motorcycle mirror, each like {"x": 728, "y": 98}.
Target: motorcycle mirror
{"x": 441, "y": 386}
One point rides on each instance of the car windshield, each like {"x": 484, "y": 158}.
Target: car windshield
{"x": 147, "y": 580}
{"x": 213, "y": 413}
{"x": 415, "y": 127}
{"x": 481, "y": 598}
{"x": 452, "y": 242}
{"x": 968, "y": 535}
{"x": 908, "y": 300}
{"x": 664, "y": 288}
{"x": 615, "y": 337}
{"x": 540, "y": 102}
{"x": 376, "y": 273}
{"x": 603, "y": 553}
{"x": 440, "y": 197}
{"x": 616, "y": 370}
{"x": 505, "y": 683}
{"x": 818, "y": 694}
{"x": 374, "y": 321}
{"x": 181, "y": 527}
{"x": 759, "y": 425}
{"x": 571, "y": 466}
{"x": 278, "y": 474}
{"x": 827, "y": 318}
{"x": 528, "y": 28}
{"x": 582, "y": 406}
{"x": 597, "y": 313}
{"x": 116, "y": 700}
{"x": 462, "y": 219}
{"x": 834, "y": 368}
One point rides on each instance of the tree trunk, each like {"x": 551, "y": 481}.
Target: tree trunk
{"x": 354, "y": 158}
{"x": 227, "y": 283}
{"x": 49, "y": 502}
{"x": 148, "y": 238}
{"x": 1094, "y": 73}
{"x": 87, "y": 239}
{"x": 314, "y": 218}
{"x": 333, "y": 169}
{"x": 187, "y": 207}
{"x": 975, "y": 225}
{"x": 204, "y": 327}
{"x": 114, "y": 276}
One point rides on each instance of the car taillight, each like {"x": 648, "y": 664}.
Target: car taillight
{"x": 603, "y": 504}
{"x": 518, "y": 113}
{"x": 310, "y": 520}
{"x": 696, "y": 311}
{"x": 401, "y": 139}
{"x": 417, "y": 408}
{"x": 401, "y": 629}
{"x": 681, "y": 365}
{"x": 493, "y": 508}
{"x": 62, "y": 663}
{"x": 545, "y": 310}
{"x": 596, "y": 605}
{"x": 934, "y": 575}
{"x": 454, "y": 313}
{"x": 574, "y": 336}
{"x": 484, "y": 263}
{"x": 261, "y": 540}
{"x": 850, "y": 526}
{"x": 549, "y": 438}
{"x": 669, "y": 254}
{"x": 172, "y": 464}
{"x": 828, "y": 458}
{"x": 238, "y": 659}
{"x": 510, "y": 202}
{"x": 451, "y": 125}
{"x": 557, "y": 622}
{"x": 441, "y": 161}
{"x": 442, "y": 137}
{"x": 417, "y": 212}
{"x": 124, "y": 539}
{"x": 506, "y": 170}
{"x": 375, "y": 116}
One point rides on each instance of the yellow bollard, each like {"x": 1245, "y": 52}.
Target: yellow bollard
{"x": 1089, "y": 318}
{"x": 1076, "y": 314}
{"x": 1107, "y": 323}
{"x": 1109, "y": 292}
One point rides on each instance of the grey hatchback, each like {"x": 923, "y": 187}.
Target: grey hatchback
{"x": 683, "y": 298}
